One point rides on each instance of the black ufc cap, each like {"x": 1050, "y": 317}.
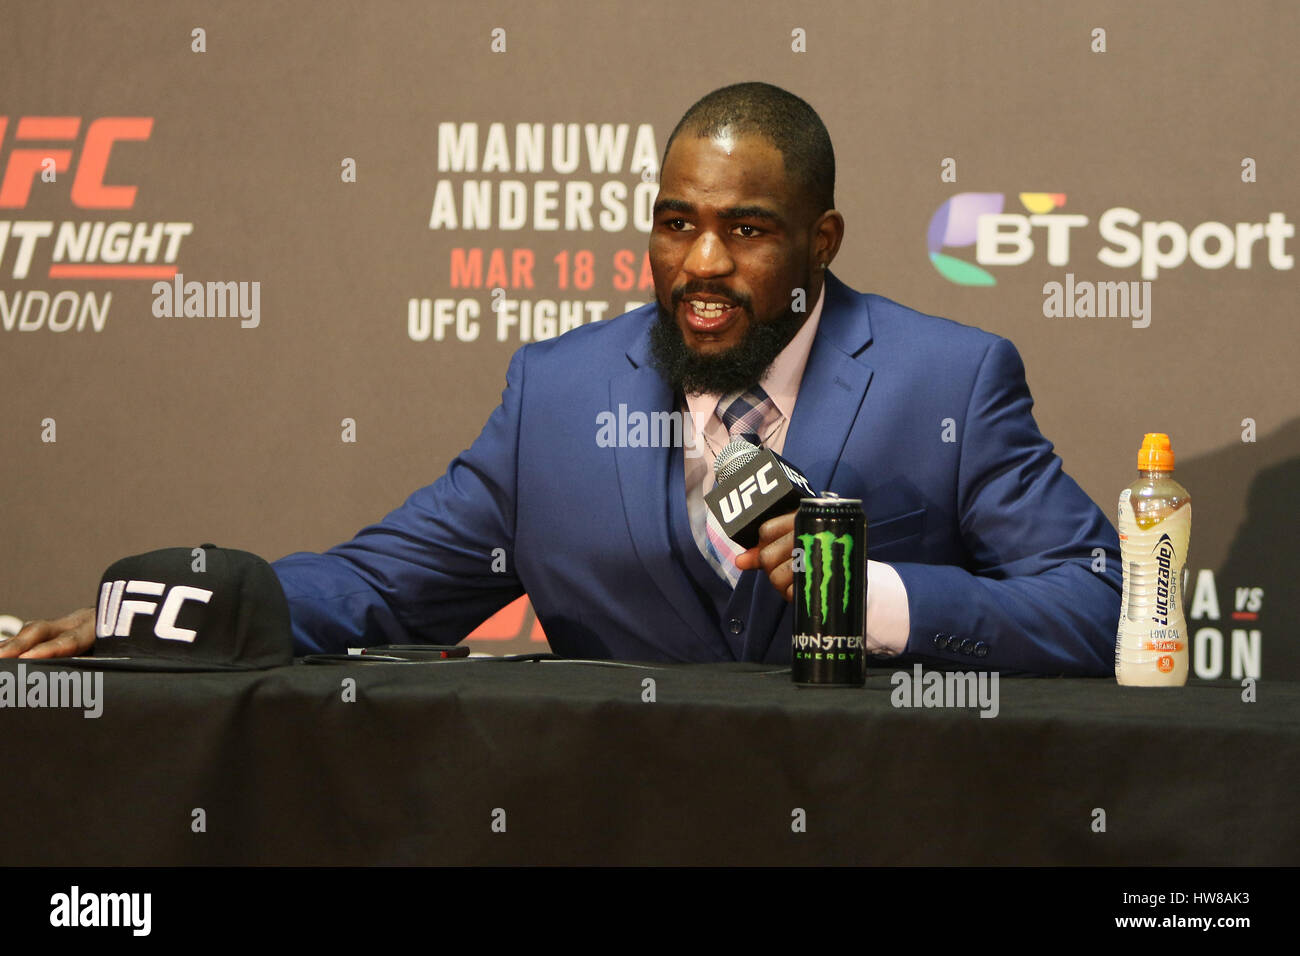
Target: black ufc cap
{"x": 190, "y": 609}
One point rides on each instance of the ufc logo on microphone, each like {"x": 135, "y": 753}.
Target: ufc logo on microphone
{"x": 741, "y": 497}
{"x": 798, "y": 480}
{"x": 115, "y": 614}
{"x": 89, "y": 191}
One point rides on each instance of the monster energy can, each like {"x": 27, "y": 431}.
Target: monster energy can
{"x": 830, "y": 593}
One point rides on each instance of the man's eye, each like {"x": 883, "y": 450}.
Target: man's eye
{"x": 676, "y": 225}
{"x": 748, "y": 232}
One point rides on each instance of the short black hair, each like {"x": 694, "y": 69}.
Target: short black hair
{"x": 789, "y": 123}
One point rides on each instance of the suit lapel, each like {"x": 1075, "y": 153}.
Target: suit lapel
{"x": 834, "y": 384}
{"x": 643, "y": 480}
{"x": 831, "y": 395}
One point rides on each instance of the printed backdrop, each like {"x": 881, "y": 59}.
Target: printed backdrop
{"x": 379, "y": 203}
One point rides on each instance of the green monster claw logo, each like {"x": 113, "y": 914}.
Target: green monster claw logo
{"x": 828, "y": 542}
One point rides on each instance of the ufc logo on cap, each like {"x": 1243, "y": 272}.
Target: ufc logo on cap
{"x": 115, "y": 615}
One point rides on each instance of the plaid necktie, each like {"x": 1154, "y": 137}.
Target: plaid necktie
{"x": 744, "y": 414}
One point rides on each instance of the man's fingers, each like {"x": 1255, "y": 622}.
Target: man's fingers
{"x": 79, "y": 619}
{"x": 776, "y": 560}
{"x": 65, "y": 645}
{"x": 778, "y": 552}
{"x": 771, "y": 534}
{"x": 71, "y": 634}
{"x": 773, "y": 553}
{"x": 775, "y": 528}
{"x": 30, "y": 634}
{"x": 782, "y": 578}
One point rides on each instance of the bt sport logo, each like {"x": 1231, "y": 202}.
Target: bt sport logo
{"x": 1002, "y": 238}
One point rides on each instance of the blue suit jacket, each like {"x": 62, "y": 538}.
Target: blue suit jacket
{"x": 927, "y": 421}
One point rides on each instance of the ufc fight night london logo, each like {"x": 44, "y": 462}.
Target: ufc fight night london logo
{"x": 69, "y": 156}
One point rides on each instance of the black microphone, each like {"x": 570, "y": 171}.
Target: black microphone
{"x": 753, "y": 485}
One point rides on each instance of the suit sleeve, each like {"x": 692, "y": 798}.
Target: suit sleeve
{"x": 1041, "y": 593}
{"x": 433, "y": 569}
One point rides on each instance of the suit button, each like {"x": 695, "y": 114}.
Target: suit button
{"x": 736, "y": 625}
{"x": 952, "y": 642}
{"x": 981, "y": 649}
{"x": 966, "y": 646}
{"x": 940, "y": 641}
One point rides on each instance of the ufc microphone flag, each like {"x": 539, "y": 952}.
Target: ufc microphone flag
{"x": 755, "y": 486}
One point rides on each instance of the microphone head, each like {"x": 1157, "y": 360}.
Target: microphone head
{"x": 731, "y": 459}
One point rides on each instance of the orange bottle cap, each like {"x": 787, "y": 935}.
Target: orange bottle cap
{"x": 1156, "y": 453}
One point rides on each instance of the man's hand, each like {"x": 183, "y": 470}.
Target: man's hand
{"x": 72, "y": 634}
{"x": 774, "y": 553}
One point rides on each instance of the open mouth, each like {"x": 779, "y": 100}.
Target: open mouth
{"x": 707, "y": 314}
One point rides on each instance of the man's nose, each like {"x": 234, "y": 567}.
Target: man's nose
{"x": 708, "y": 257}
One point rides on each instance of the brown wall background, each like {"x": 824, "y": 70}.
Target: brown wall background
{"x": 181, "y": 431}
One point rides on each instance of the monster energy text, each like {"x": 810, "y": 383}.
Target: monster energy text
{"x": 828, "y": 647}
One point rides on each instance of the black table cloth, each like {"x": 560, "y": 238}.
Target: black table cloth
{"x": 486, "y": 762}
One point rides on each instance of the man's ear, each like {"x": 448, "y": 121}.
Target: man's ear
{"x": 827, "y": 234}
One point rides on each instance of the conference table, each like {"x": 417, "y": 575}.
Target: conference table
{"x": 490, "y": 761}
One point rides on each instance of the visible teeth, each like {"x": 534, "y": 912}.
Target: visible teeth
{"x": 708, "y": 310}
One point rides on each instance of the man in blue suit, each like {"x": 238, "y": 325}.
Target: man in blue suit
{"x": 984, "y": 553}
{"x": 585, "y": 488}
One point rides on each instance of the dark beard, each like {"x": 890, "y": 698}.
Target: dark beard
{"x": 737, "y": 369}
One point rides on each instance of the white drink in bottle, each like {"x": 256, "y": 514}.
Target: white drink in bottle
{"x": 1155, "y": 525}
